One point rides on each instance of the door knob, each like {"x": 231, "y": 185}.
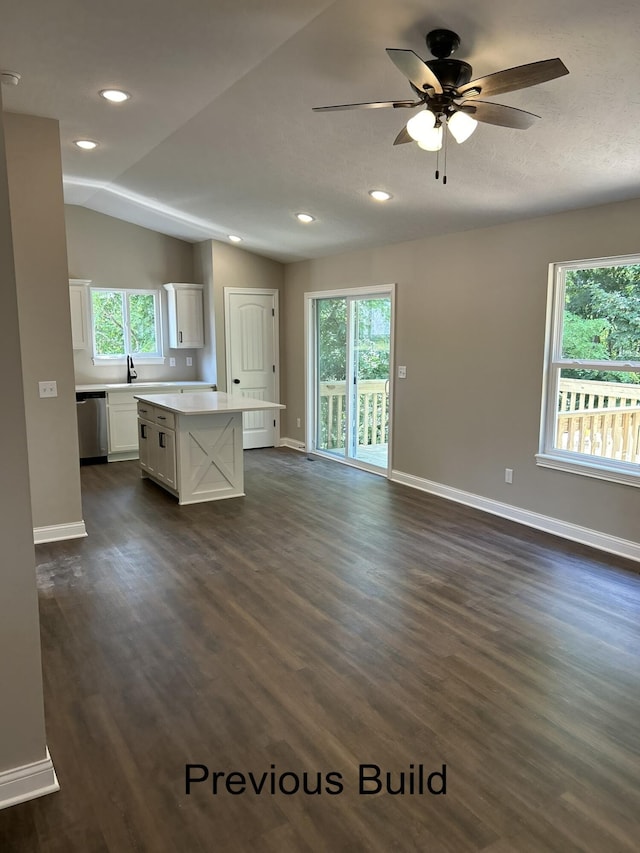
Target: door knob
{"x": 236, "y": 381}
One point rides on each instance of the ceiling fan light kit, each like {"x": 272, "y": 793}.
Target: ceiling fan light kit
{"x": 461, "y": 126}
{"x": 431, "y": 141}
{"x": 444, "y": 87}
{"x": 421, "y": 124}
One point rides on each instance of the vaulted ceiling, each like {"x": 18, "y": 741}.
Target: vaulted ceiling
{"x": 219, "y": 138}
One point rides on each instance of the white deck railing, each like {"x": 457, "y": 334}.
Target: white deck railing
{"x": 372, "y": 414}
{"x": 599, "y": 418}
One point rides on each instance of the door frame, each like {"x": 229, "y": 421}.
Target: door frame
{"x": 255, "y": 291}
{"x": 310, "y": 374}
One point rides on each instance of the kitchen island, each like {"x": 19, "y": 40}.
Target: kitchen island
{"x": 191, "y": 444}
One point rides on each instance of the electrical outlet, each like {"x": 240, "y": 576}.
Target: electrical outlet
{"x": 298, "y": 423}
{"x": 48, "y": 388}
{"x": 172, "y": 362}
{"x": 508, "y": 475}
{"x": 402, "y": 372}
{"x": 189, "y": 361}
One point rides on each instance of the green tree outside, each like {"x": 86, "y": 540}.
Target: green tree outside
{"x": 602, "y": 320}
{"x": 372, "y": 339}
{"x": 124, "y": 323}
{"x": 372, "y": 351}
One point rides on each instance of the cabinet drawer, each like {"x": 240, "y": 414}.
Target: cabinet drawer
{"x": 121, "y": 398}
{"x": 147, "y": 412}
{"x": 165, "y": 419}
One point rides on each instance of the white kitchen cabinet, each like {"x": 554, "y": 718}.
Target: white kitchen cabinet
{"x": 198, "y": 453}
{"x": 157, "y": 440}
{"x": 121, "y": 424}
{"x": 186, "y": 315}
{"x": 146, "y": 444}
{"x": 79, "y": 305}
{"x": 122, "y": 416}
{"x": 166, "y": 459}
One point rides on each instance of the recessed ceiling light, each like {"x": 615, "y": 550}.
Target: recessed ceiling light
{"x": 380, "y": 195}
{"x": 235, "y": 239}
{"x": 116, "y": 96}
{"x": 10, "y": 78}
{"x": 305, "y": 217}
{"x": 86, "y": 144}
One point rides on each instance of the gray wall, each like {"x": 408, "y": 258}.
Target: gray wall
{"x": 223, "y": 266}
{"x": 113, "y": 253}
{"x": 37, "y": 221}
{"x": 203, "y": 269}
{"x": 22, "y": 738}
{"x": 470, "y": 327}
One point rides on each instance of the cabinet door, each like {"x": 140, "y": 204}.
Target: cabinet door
{"x": 147, "y": 445}
{"x": 186, "y": 315}
{"x": 190, "y": 319}
{"x": 79, "y": 316}
{"x": 123, "y": 428}
{"x": 166, "y": 459}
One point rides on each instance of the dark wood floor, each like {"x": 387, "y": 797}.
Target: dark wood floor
{"x": 327, "y": 620}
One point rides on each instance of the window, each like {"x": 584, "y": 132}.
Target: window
{"x": 591, "y": 404}
{"x": 125, "y": 322}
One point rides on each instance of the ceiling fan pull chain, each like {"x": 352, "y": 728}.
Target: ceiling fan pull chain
{"x": 444, "y": 176}
{"x": 437, "y": 165}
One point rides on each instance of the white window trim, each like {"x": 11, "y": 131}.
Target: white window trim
{"x": 548, "y": 456}
{"x": 139, "y": 358}
{"x": 109, "y": 360}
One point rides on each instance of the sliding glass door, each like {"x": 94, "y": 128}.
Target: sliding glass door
{"x": 352, "y": 354}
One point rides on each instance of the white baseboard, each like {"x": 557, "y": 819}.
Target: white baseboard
{"x": 293, "y": 443}
{"x": 123, "y": 455}
{"x": 57, "y": 532}
{"x": 584, "y": 535}
{"x": 28, "y": 782}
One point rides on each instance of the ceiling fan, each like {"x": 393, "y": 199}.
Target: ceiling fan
{"x": 444, "y": 87}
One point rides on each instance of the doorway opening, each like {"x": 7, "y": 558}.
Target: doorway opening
{"x": 349, "y": 361}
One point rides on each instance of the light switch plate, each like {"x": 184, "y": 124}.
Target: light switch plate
{"x": 189, "y": 361}
{"x": 172, "y": 362}
{"x": 48, "y": 388}
{"x": 402, "y": 372}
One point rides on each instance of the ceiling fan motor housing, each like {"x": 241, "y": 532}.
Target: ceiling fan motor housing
{"x": 450, "y": 72}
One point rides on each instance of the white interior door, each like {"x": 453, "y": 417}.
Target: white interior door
{"x": 251, "y": 327}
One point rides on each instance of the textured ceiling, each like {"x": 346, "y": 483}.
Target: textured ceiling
{"x": 219, "y": 136}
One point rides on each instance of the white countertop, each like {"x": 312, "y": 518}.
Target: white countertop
{"x": 206, "y": 403}
{"x": 143, "y": 386}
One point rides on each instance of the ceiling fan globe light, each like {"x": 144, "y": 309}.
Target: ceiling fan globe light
{"x": 433, "y": 140}
{"x": 420, "y": 125}
{"x": 461, "y": 126}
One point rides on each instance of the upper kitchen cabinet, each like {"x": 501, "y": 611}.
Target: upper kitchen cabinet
{"x": 186, "y": 315}
{"x": 79, "y": 303}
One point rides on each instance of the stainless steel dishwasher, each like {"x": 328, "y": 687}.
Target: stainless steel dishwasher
{"x": 91, "y": 407}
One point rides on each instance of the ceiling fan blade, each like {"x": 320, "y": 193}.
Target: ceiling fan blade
{"x": 511, "y": 79}
{"x": 372, "y": 105}
{"x": 499, "y": 114}
{"x": 414, "y": 69}
{"x": 403, "y": 137}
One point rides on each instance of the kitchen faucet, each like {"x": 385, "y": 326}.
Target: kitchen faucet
{"x": 131, "y": 371}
